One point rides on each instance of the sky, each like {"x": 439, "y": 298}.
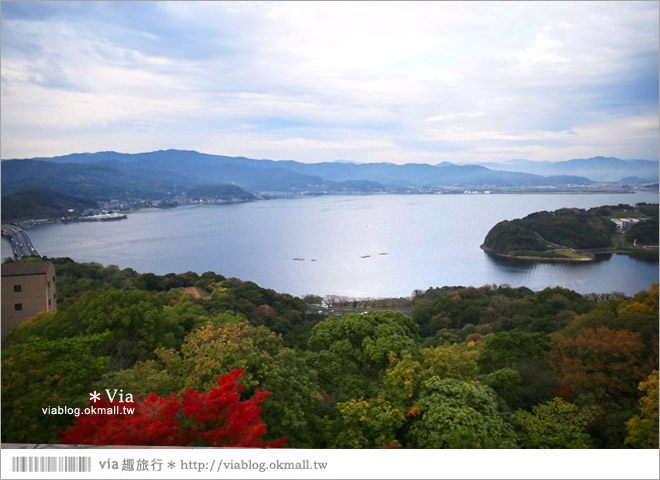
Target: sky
{"x": 427, "y": 82}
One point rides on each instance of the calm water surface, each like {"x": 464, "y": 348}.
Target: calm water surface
{"x": 358, "y": 246}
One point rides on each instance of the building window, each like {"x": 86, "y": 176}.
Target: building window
{"x": 53, "y": 278}
{"x": 48, "y": 284}
{"x": 18, "y": 288}
{"x": 18, "y": 307}
{"x": 49, "y": 302}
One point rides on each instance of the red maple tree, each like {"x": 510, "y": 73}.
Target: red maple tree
{"x": 215, "y": 419}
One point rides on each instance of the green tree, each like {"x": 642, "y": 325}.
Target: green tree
{"x": 186, "y": 313}
{"x": 645, "y": 233}
{"x": 506, "y": 383}
{"x": 149, "y": 281}
{"x": 524, "y": 353}
{"x": 135, "y": 319}
{"x": 354, "y": 350}
{"x": 42, "y": 325}
{"x": 508, "y": 349}
{"x": 406, "y": 373}
{"x": 365, "y": 424}
{"x": 458, "y": 414}
{"x": 41, "y": 374}
{"x": 643, "y": 427}
{"x": 555, "y": 424}
{"x": 384, "y": 418}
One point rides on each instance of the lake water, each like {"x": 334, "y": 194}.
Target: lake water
{"x": 357, "y": 246}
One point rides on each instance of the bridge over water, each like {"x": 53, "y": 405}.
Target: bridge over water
{"x": 20, "y": 241}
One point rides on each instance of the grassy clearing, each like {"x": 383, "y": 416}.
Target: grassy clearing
{"x": 573, "y": 255}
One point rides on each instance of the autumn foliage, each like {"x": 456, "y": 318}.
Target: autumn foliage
{"x": 472, "y": 368}
{"x": 643, "y": 428}
{"x": 607, "y": 363}
{"x": 217, "y": 418}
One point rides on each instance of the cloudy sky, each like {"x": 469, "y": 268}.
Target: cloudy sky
{"x": 398, "y": 82}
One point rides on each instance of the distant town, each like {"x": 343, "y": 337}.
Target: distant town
{"x": 97, "y": 186}
{"x": 117, "y": 209}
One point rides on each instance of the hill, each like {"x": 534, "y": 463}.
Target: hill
{"x": 42, "y": 203}
{"x": 572, "y": 233}
{"x": 224, "y": 193}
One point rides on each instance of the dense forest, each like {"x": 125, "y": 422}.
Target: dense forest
{"x": 221, "y": 362}
{"x": 561, "y": 233}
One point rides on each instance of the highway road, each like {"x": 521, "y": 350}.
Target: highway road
{"x": 20, "y": 241}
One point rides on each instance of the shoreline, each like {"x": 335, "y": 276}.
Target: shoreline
{"x": 601, "y": 251}
{"x": 29, "y": 222}
{"x": 536, "y": 259}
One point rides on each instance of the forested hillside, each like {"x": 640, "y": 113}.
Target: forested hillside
{"x": 42, "y": 203}
{"x": 220, "y": 192}
{"x": 95, "y": 181}
{"x": 488, "y": 367}
{"x": 560, "y": 233}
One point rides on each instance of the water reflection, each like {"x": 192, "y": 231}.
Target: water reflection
{"x": 431, "y": 241}
{"x": 511, "y": 264}
{"x": 602, "y": 257}
{"x": 644, "y": 259}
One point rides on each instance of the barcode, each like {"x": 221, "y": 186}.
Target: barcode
{"x": 51, "y": 464}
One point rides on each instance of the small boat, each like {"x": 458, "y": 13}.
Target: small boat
{"x": 299, "y": 259}
{"x": 365, "y": 256}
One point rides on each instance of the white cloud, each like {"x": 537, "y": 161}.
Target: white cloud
{"x": 347, "y": 146}
{"x": 454, "y": 116}
{"x": 354, "y": 79}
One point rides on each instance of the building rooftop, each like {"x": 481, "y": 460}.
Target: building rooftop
{"x": 27, "y": 268}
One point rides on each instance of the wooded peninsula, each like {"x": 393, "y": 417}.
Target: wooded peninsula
{"x": 577, "y": 235}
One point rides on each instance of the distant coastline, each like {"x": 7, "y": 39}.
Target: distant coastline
{"x": 129, "y": 207}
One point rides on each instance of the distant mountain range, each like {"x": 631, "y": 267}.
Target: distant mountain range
{"x": 601, "y": 169}
{"x": 165, "y": 173}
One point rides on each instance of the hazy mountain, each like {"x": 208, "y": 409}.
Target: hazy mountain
{"x": 84, "y": 180}
{"x": 600, "y": 169}
{"x": 424, "y": 175}
{"x": 179, "y": 170}
{"x": 634, "y": 181}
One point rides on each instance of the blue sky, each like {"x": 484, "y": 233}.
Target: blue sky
{"x": 360, "y": 81}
